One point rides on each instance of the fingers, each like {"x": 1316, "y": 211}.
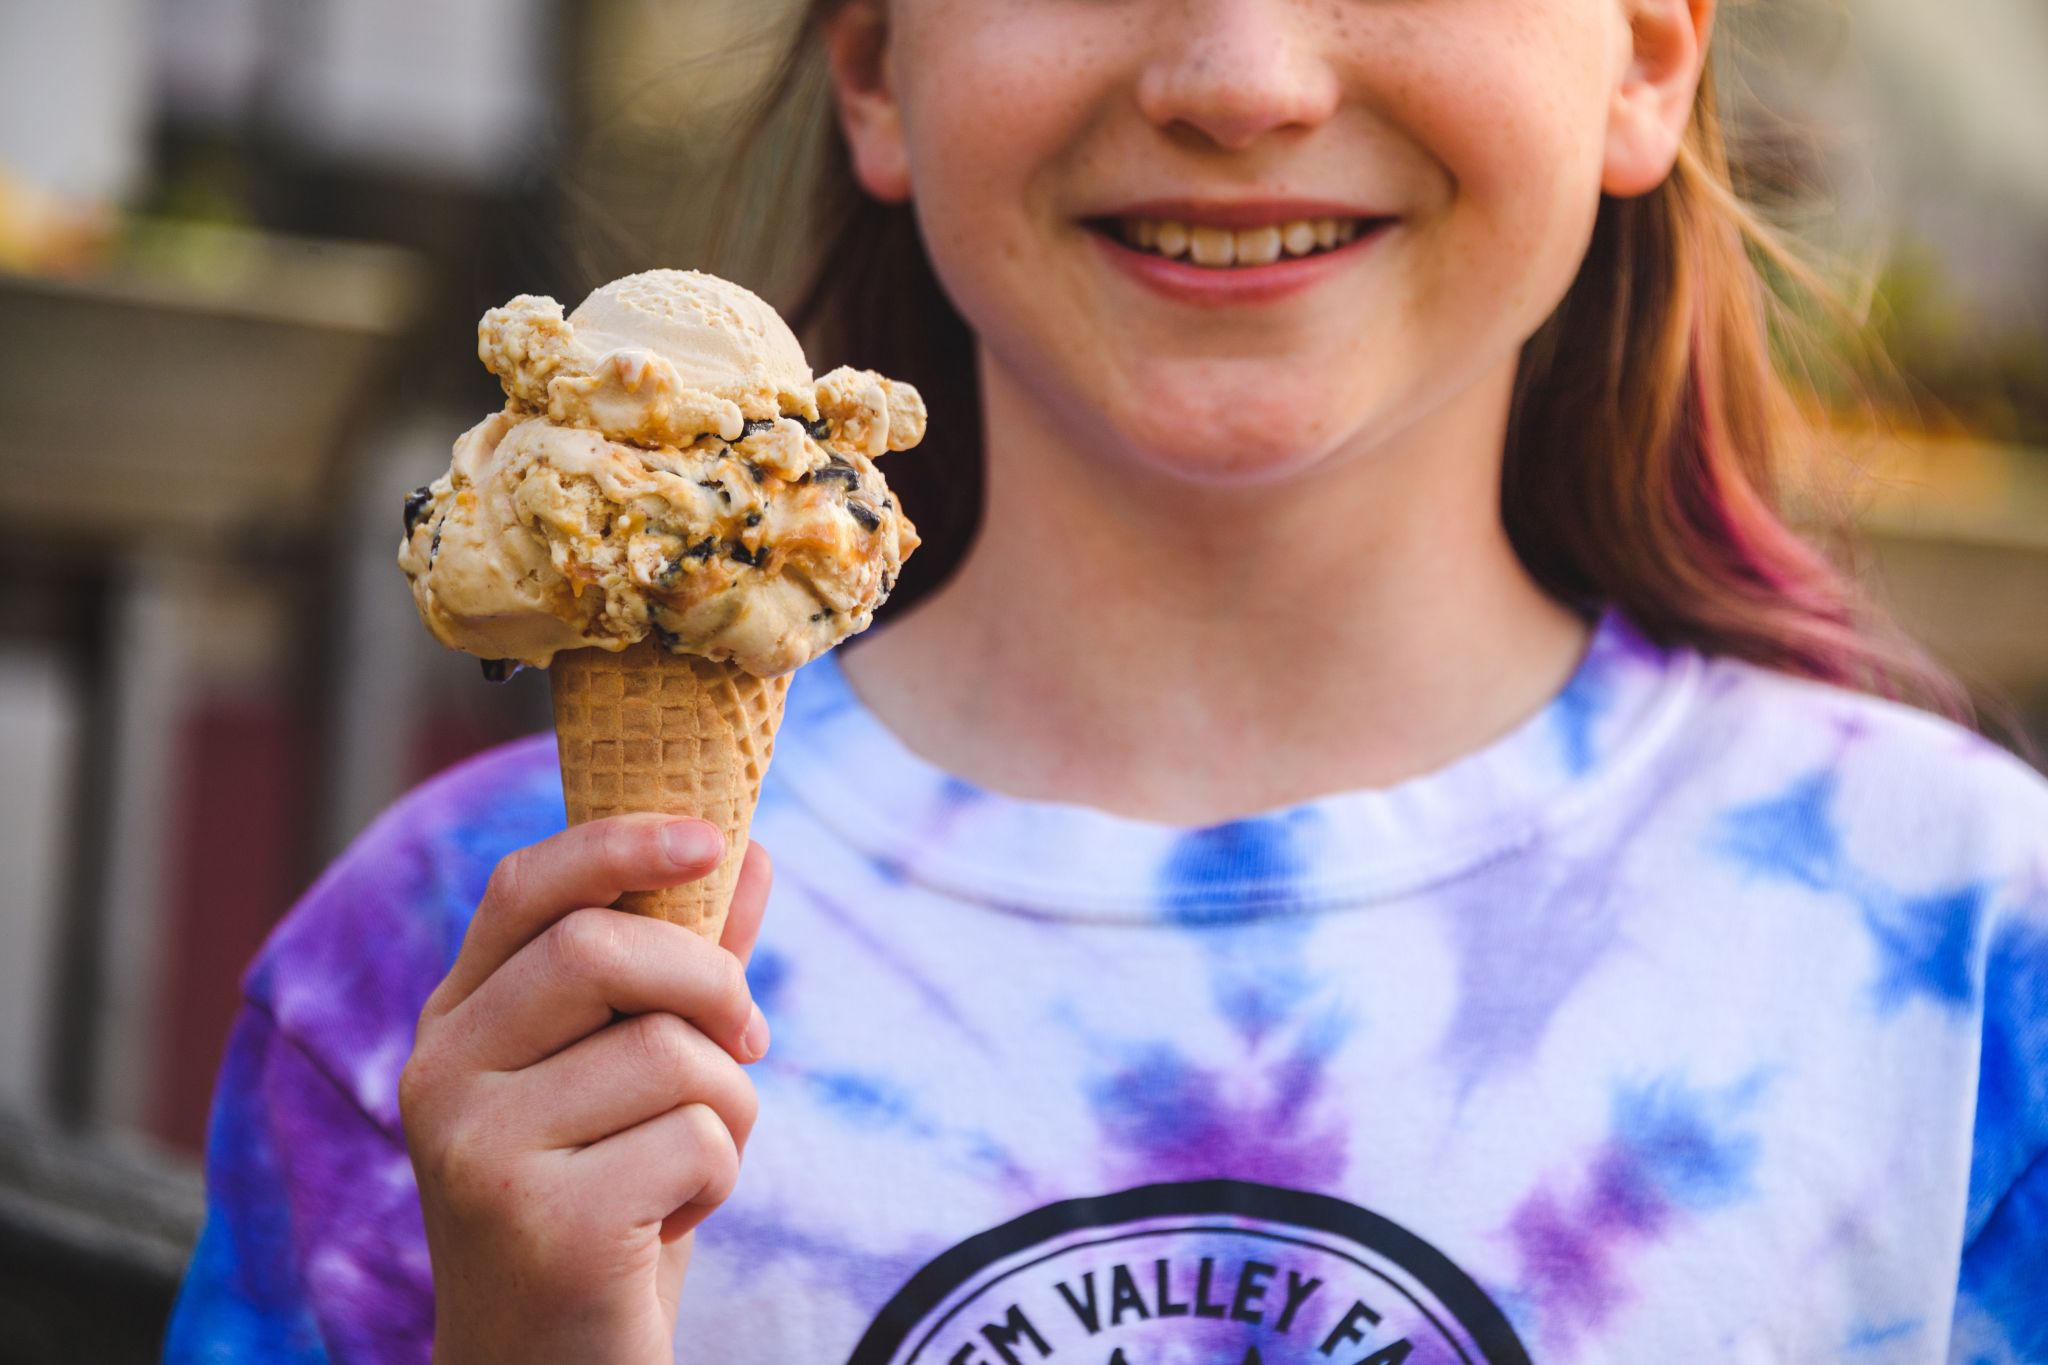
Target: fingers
{"x": 624, "y": 1075}
{"x": 749, "y": 901}
{"x": 589, "y": 965}
{"x": 585, "y": 865}
{"x": 675, "y": 1169}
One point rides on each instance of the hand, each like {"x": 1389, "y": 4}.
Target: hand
{"x": 565, "y": 1153}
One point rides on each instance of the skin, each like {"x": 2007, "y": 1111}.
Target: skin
{"x": 1296, "y": 502}
{"x": 564, "y": 1159}
{"x": 1347, "y": 441}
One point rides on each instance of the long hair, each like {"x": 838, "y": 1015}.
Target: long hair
{"x": 1651, "y": 426}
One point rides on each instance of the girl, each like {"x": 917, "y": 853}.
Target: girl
{"x": 1374, "y": 852}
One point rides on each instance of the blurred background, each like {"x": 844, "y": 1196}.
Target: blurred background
{"x": 243, "y": 248}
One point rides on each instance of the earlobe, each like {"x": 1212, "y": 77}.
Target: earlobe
{"x": 1653, "y": 102}
{"x": 857, "y": 54}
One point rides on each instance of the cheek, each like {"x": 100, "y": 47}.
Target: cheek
{"x": 992, "y": 100}
{"x": 1516, "y": 121}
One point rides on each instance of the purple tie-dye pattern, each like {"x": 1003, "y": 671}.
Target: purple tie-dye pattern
{"x": 766, "y": 1240}
{"x": 1672, "y": 1151}
{"x": 306, "y": 1137}
{"x": 245, "y": 1297}
{"x": 1256, "y": 1061}
{"x": 1164, "y": 1117}
{"x": 896, "y": 965}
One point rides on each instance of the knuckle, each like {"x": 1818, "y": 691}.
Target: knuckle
{"x": 746, "y": 1109}
{"x": 621, "y": 845}
{"x": 729, "y": 984}
{"x": 716, "y": 1165}
{"x": 469, "y": 1173}
{"x": 416, "y": 1086}
{"x": 664, "y": 1044}
{"x": 586, "y": 944}
{"x": 508, "y": 880}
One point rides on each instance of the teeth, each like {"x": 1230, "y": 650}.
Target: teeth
{"x": 1219, "y": 248}
{"x": 1259, "y": 246}
{"x": 1212, "y": 246}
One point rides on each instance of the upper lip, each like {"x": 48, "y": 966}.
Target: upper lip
{"x": 1240, "y": 213}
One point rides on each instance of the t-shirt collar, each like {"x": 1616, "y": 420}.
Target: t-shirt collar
{"x": 921, "y": 824}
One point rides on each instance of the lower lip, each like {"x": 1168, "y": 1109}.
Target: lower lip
{"x": 1235, "y": 286}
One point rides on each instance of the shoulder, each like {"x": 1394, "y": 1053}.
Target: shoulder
{"x": 346, "y": 972}
{"x": 1917, "y": 798}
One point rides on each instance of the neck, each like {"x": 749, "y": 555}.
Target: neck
{"x": 1124, "y": 639}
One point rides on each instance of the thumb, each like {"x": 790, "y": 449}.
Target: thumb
{"x": 749, "y": 903}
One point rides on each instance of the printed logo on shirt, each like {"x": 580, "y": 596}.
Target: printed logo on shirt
{"x": 1213, "y": 1272}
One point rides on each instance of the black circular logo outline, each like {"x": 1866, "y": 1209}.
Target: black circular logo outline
{"x": 1459, "y": 1294}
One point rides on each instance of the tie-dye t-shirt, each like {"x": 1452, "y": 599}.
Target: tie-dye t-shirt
{"x": 1704, "y": 1017}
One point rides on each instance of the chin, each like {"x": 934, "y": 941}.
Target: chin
{"x": 1232, "y": 435}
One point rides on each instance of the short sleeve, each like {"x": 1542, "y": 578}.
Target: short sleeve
{"x": 312, "y": 1251}
{"x": 313, "y": 1248}
{"x": 2002, "y": 1291}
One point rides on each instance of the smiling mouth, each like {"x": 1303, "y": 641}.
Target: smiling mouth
{"x": 1219, "y": 248}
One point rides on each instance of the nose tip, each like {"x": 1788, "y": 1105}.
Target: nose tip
{"x": 1245, "y": 73}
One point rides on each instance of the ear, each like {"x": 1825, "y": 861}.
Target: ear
{"x": 1653, "y": 103}
{"x": 857, "y": 54}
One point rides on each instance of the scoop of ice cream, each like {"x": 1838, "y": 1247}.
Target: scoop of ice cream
{"x": 611, "y": 500}
{"x": 656, "y": 358}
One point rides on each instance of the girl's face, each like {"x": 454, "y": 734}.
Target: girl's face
{"x": 1403, "y": 189}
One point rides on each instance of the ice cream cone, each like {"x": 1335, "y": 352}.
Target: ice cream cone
{"x": 647, "y": 730}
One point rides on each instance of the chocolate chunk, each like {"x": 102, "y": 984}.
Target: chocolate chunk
{"x": 500, "y": 670}
{"x": 416, "y": 503}
{"x": 434, "y": 547}
{"x": 819, "y": 429}
{"x": 824, "y": 615}
{"x": 756, "y": 425}
{"x": 667, "y": 639}
{"x": 839, "y": 472}
{"x": 703, "y": 548}
{"x": 865, "y": 515}
{"x": 751, "y": 558}
{"x": 755, "y": 471}
{"x": 723, "y": 491}
{"x": 753, "y": 518}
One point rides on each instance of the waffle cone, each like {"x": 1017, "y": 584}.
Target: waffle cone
{"x": 646, "y": 730}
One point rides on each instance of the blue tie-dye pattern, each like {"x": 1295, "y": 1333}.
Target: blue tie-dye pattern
{"x": 767, "y": 976}
{"x": 1163, "y": 1117}
{"x": 1687, "y": 1141}
{"x": 2012, "y": 1084}
{"x": 1925, "y": 944}
{"x": 1673, "y": 1149}
{"x": 1258, "y": 974}
{"x": 863, "y": 1100}
{"x": 1525, "y": 972}
{"x": 2004, "y": 1280}
{"x": 243, "y": 1298}
{"x": 1871, "y": 1336}
{"x": 1928, "y": 946}
{"x": 1790, "y": 836}
{"x": 1577, "y": 710}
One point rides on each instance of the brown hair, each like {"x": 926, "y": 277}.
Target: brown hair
{"x": 1650, "y": 428}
